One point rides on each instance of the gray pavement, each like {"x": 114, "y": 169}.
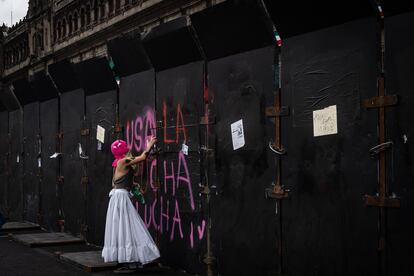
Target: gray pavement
{"x": 17, "y": 259}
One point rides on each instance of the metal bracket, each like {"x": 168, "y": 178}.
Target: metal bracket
{"x": 84, "y": 180}
{"x": 386, "y": 202}
{"x": 381, "y": 101}
{"x": 60, "y": 179}
{"x": 85, "y": 132}
{"x": 59, "y": 135}
{"x": 273, "y": 111}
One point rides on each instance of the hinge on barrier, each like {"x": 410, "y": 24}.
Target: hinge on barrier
{"x": 273, "y": 111}
{"x": 61, "y": 224}
{"x": 208, "y": 151}
{"x": 117, "y": 128}
{"x": 85, "y": 180}
{"x": 84, "y": 228}
{"x": 207, "y": 120}
{"x": 85, "y": 132}
{"x": 208, "y": 190}
{"x": 39, "y": 217}
{"x": 209, "y": 260}
{"x": 381, "y": 101}
{"x": 157, "y": 183}
{"x": 60, "y": 179}
{"x": 379, "y": 201}
{"x": 59, "y": 135}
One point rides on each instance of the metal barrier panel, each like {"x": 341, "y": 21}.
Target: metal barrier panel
{"x": 50, "y": 195}
{"x": 138, "y": 120}
{"x": 399, "y": 64}
{"x": 15, "y": 187}
{"x": 73, "y": 162}
{"x": 4, "y": 150}
{"x": 31, "y": 165}
{"x": 243, "y": 221}
{"x": 100, "y": 112}
{"x": 326, "y": 76}
{"x": 181, "y": 224}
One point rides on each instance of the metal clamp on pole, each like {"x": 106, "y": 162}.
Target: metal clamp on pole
{"x": 277, "y": 192}
{"x": 84, "y": 180}
{"x": 82, "y": 154}
{"x": 279, "y": 151}
{"x": 374, "y": 151}
{"x": 85, "y": 132}
{"x": 273, "y": 111}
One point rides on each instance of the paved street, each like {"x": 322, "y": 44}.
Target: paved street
{"x": 17, "y": 259}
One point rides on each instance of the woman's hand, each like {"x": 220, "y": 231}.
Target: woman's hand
{"x": 145, "y": 153}
{"x": 151, "y": 143}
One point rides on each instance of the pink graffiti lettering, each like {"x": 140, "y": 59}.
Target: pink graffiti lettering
{"x": 169, "y": 177}
{"x": 186, "y": 179}
{"x": 192, "y": 236}
{"x": 164, "y": 215}
{"x": 176, "y": 220}
{"x": 137, "y": 133}
{"x": 179, "y": 127}
{"x": 201, "y": 230}
{"x": 140, "y": 129}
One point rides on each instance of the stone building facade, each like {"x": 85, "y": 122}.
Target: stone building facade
{"x": 78, "y": 30}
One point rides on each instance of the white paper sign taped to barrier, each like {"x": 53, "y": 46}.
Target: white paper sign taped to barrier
{"x": 237, "y": 134}
{"x": 325, "y": 121}
{"x": 184, "y": 149}
{"x": 100, "y": 134}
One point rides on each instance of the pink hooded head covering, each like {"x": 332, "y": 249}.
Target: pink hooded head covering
{"x": 119, "y": 148}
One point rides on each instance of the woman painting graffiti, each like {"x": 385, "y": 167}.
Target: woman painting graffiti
{"x": 127, "y": 240}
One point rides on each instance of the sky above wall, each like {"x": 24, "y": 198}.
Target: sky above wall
{"x": 19, "y": 8}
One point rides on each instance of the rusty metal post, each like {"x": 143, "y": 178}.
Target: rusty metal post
{"x": 382, "y": 199}
{"x": 277, "y": 191}
{"x": 40, "y": 176}
{"x": 209, "y": 259}
{"x": 383, "y": 189}
{"x": 8, "y": 172}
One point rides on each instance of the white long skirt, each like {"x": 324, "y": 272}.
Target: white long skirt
{"x": 127, "y": 239}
